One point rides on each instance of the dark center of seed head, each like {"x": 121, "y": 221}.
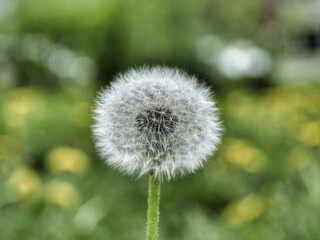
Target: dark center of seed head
{"x": 157, "y": 121}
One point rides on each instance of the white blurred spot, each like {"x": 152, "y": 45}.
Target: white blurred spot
{"x": 60, "y": 60}
{"x": 243, "y": 60}
{"x": 208, "y": 47}
{"x": 7, "y": 8}
{"x": 72, "y": 67}
{"x": 33, "y": 46}
{"x": 89, "y": 215}
{"x": 82, "y": 69}
{"x": 233, "y": 62}
{"x": 236, "y": 60}
{"x": 299, "y": 68}
{"x": 261, "y": 62}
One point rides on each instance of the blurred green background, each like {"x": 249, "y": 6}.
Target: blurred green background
{"x": 262, "y": 60}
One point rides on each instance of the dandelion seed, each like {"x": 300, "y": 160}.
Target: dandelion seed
{"x": 156, "y": 120}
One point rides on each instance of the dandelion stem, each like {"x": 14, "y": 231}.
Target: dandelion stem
{"x": 153, "y": 208}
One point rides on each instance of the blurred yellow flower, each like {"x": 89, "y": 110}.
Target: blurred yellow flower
{"x": 242, "y": 155}
{"x": 24, "y": 183}
{"x": 62, "y": 194}
{"x": 310, "y": 134}
{"x": 67, "y": 159}
{"x": 20, "y": 101}
{"x": 246, "y": 210}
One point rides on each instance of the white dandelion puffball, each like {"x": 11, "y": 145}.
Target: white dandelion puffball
{"x": 156, "y": 120}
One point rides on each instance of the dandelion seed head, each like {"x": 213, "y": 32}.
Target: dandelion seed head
{"x": 156, "y": 120}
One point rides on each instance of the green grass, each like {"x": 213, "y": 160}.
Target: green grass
{"x": 263, "y": 182}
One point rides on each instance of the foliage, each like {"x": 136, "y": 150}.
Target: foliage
{"x": 263, "y": 183}
{"x": 54, "y": 55}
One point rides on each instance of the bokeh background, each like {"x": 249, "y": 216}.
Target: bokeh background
{"x": 262, "y": 60}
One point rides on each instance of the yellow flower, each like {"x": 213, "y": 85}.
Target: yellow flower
{"x": 67, "y": 159}
{"x": 246, "y": 210}
{"x": 310, "y": 134}
{"x": 25, "y": 183}
{"x": 242, "y": 155}
{"x": 20, "y": 102}
{"x": 62, "y": 194}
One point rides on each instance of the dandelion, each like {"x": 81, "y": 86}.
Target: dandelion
{"x": 157, "y": 121}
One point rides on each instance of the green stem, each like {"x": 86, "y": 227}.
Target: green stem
{"x": 153, "y": 208}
